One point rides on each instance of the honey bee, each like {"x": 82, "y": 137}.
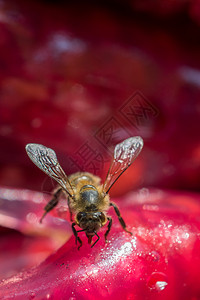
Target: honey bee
{"x": 88, "y": 199}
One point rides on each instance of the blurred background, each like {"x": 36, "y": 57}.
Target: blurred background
{"x": 80, "y": 77}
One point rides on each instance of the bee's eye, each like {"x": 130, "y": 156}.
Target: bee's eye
{"x": 80, "y": 215}
{"x": 102, "y": 217}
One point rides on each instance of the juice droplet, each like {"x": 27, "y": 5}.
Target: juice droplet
{"x": 155, "y": 256}
{"x": 157, "y": 281}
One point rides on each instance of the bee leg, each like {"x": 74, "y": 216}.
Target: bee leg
{"x": 98, "y": 238}
{"x": 52, "y": 203}
{"x": 121, "y": 220}
{"x": 109, "y": 227}
{"x": 70, "y": 211}
{"x": 76, "y": 235}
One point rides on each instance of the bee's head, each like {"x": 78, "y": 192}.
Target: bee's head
{"x": 91, "y": 222}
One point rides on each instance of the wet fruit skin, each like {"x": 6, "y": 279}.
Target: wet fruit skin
{"x": 160, "y": 261}
{"x": 61, "y": 78}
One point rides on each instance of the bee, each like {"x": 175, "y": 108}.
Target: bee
{"x": 88, "y": 199}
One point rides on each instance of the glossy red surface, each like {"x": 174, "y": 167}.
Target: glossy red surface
{"x": 160, "y": 261}
{"x": 67, "y": 73}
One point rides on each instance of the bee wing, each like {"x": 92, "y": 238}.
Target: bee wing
{"x": 124, "y": 155}
{"x": 45, "y": 159}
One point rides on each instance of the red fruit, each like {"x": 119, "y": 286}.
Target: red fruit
{"x": 160, "y": 261}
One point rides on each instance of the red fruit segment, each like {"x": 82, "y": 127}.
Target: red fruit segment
{"x": 160, "y": 261}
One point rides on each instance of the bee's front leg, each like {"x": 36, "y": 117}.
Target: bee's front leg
{"x": 52, "y": 203}
{"x": 121, "y": 220}
{"x": 108, "y": 229}
{"x": 76, "y": 235}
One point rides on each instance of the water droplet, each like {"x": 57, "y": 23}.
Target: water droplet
{"x": 155, "y": 256}
{"x": 157, "y": 281}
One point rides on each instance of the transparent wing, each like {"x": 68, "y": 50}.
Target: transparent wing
{"x": 124, "y": 155}
{"x": 45, "y": 159}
